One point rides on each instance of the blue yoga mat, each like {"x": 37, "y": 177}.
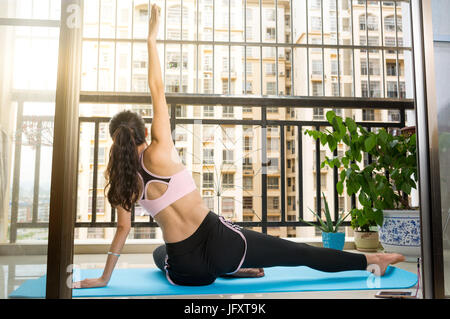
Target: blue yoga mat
{"x": 152, "y": 282}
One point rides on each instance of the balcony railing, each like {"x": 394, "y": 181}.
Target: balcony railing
{"x": 36, "y": 122}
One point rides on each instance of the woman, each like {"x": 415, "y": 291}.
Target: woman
{"x": 199, "y": 245}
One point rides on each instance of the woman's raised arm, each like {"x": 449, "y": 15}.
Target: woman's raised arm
{"x": 161, "y": 130}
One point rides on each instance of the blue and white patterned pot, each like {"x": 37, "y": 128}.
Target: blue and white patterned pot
{"x": 400, "y": 232}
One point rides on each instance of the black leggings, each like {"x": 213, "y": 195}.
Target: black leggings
{"x": 218, "y": 248}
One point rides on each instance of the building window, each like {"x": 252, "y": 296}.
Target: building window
{"x": 247, "y": 109}
{"x": 393, "y": 115}
{"x": 228, "y": 206}
{"x": 392, "y": 89}
{"x": 208, "y": 111}
{"x": 372, "y": 22}
{"x": 375, "y": 90}
{"x": 247, "y": 202}
{"x": 273, "y": 182}
{"x": 270, "y": 33}
{"x": 374, "y": 67}
{"x": 228, "y": 180}
{"x": 207, "y": 86}
{"x": 317, "y": 67}
{"x": 318, "y": 113}
{"x": 270, "y": 69}
{"x": 291, "y": 202}
{"x": 335, "y": 89}
{"x": 208, "y": 156}
{"x": 227, "y": 111}
{"x": 247, "y": 182}
{"x": 317, "y": 88}
{"x": 228, "y": 156}
{"x": 273, "y": 202}
{"x": 247, "y": 143}
{"x": 391, "y": 68}
{"x": 247, "y": 163}
{"x": 208, "y": 180}
{"x": 271, "y": 88}
{"x": 389, "y": 24}
{"x": 180, "y": 111}
{"x": 368, "y": 115}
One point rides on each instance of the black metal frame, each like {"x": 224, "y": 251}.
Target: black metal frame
{"x": 427, "y": 150}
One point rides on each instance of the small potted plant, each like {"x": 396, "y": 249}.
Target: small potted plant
{"x": 331, "y": 238}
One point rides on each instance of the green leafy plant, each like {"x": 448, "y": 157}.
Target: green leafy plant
{"x": 326, "y": 226}
{"x": 382, "y": 183}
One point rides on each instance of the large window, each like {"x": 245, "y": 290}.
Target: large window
{"x": 29, "y": 33}
{"x": 214, "y": 52}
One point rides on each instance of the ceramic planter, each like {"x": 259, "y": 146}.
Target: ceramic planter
{"x": 400, "y": 233}
{"x": 366, "y": 241}
{"x": 333, "y": 240}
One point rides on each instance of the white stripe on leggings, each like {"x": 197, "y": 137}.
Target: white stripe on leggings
{"x": 167, "y": 271}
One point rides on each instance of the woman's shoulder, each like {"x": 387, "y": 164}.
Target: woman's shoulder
{"x": 162, "y": 159}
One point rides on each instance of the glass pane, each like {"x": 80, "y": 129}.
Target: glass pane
{"x": 140, "y": 68}
{"x": 205, "y": 69}
{"x": 27, "y": 107}
{"x": 441, "y": 30}
{"x": 252, "y": 71}
{"x": 107, "y": 18}
{"x": 106, "y": 67}
{"x": 89, "y": 68}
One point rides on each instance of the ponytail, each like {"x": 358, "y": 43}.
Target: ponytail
{"x": 123, "y": 187}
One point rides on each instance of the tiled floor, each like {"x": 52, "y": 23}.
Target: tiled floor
{"x": 15, "y": 269}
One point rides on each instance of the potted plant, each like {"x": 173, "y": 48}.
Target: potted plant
{"x": 400, "y": 231}
{"x": 331, "y": 238}
{"x": 379, "y": 184}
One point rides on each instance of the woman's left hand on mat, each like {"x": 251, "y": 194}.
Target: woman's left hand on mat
{"x": 90, "y": 283}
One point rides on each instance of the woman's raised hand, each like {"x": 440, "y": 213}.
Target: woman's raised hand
{"x": 153, "y": 24}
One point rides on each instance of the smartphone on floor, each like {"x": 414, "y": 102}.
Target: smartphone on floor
{"x": 395, "y": 294}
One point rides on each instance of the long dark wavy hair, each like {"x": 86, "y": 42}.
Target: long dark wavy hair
{"x": 127, "y": 129}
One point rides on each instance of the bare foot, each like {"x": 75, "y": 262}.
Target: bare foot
{"x": 247, "y": 273}
{"x": 378, "y": 263}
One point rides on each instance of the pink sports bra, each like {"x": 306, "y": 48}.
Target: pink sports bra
{"x": 178, "y": 185}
